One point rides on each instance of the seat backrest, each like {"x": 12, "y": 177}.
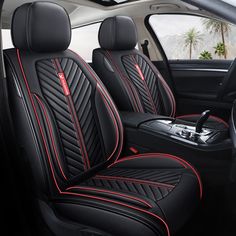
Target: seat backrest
{"x": 65, "y": 121}
{"x": 133, "y": 81}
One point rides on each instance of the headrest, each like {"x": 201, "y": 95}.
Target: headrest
{"x": 118, "y": 33}
{"x": 41, "y": 27}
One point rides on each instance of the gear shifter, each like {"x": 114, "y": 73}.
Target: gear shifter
{"x": 203, "y": 118}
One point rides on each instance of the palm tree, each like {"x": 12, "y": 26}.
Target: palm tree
{"x": 220, "y": 49}
{"x": 218, "y": 27}
{"x": 205, "y": 55}
{"x": 192, "y": 39}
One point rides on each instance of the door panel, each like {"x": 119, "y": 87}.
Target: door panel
{"x": 196, "y": 83}
{"x": 198, "y": 78}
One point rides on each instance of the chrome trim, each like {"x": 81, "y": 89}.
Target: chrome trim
{"x": 201, "y": 69}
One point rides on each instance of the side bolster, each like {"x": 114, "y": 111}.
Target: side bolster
{"x": 25, "y": 129}
{"x": 166, "y": 93}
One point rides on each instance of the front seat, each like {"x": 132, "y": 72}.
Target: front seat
{"x": 132, "y": 80}
{"x": 71, "y": 137}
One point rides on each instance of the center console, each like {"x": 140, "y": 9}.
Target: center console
{"x": 185, "y": 133}
{"x": 206, "y": 148}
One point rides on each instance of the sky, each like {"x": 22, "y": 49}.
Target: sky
{"x": 232, "y": 2}
{"x": 166, "y": 25}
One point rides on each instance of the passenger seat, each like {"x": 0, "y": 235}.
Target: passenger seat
{"x": 133, "y": 81}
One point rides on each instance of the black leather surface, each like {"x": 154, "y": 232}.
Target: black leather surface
{"x": 67, "y": 125}
{"x": 133, "y": 81}
{"x": 118, "y": 33}
{"x": 41, "y": 27}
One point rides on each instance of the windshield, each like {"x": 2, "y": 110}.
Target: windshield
{"x": 231, "y": 2}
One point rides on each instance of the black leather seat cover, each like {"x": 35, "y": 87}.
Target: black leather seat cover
{"x": 133, "y": 81}
{"x": 68, "y": 128}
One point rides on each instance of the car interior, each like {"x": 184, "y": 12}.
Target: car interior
{"x": 118, "y": 117}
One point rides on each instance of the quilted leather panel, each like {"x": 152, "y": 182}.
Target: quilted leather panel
{"x": 81, "y": 92}
{"x": 151, "y": 184}
{"x": 147, "y": 88}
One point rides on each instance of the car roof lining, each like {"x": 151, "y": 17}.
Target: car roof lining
{"x": 83, "y": 12}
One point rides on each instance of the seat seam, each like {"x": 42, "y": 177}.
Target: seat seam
{"x": 151, "y": 183}
{"x": 51, "y": 165}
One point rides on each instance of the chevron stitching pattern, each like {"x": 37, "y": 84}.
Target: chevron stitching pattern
{"x": 154, "y": 192}
{"x": 81, "y": 91}
{"x": 53, "y": 94}
{"x": 162, "y": 176}
{"x": 150, "y": 79}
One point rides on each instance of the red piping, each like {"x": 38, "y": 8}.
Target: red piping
{"x": 167, "y": 88}
{"x": 124, "y": 205}
{"x": 80, "y": 138}
{"x": 51, "y": 135}
{"x": 111, "y": 105}
{"x": 212, "y": 117}
{"x": 112, "y": 192}
{"x": 135, "y": 96}
{"x": 36, "y": 115}
{"x": 163, "y": 155}
{"x": 51, "y": 167}
{"x": 144, "y": 83}
{"x": 114, "y": 121}
{"x": 155, "y": 184}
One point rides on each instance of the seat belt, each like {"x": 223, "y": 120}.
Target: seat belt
{"x": 145, "y": 48}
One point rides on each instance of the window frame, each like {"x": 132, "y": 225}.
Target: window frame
{"x": 158, "y": 43}
{"x": 82, "y": 26}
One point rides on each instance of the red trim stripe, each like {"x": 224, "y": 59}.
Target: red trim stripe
{"x": 145, "y": 84}
{"x": 110, "y": 105}
{"x": 52, "y": 170}
{"x": 79, "y": 134}
{"x": 112, "y": 192}
{"x": 132, "y": 180}
{"x": 129, "y": 86}
{"x": 51, "y": 134}
{"x": 184, "y": 163}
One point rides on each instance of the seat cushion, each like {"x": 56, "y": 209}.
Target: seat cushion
{"x": 158, "y": 184}
{"x": 213, "y": 122}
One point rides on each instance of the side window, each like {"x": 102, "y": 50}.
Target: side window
{"x": 193, "y": 37}
{"x": 84, "y": 40}
{"x": 6, "y": 39}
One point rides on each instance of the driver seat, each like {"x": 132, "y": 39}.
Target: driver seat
{"x": 132, "y": 80}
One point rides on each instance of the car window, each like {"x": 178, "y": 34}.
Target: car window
{"x": 6, "y": 39}
{"x": 84, "y": 40}
{"x": 194, "y": 37}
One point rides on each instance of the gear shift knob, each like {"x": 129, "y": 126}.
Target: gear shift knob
{"x": 203, "y": 118}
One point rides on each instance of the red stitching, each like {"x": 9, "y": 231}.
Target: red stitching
{"x": 124, "y": 205}
{"x": 163, "y": 155}
{"x": 155, "y": 184}
{"x": 167, "y": 88}
{"x": 112, "y": 192}
{"x": 51, "y": 135}
{"x": 110, "y": 105}
{"x": 36, "y": 115}
{"x": 129, "y": 86}
{"x": 51, "y": 166}
{"x": 116, "y": 127}
{"x": 80, "y": 138}
{"x": 212, "y": 117}
{"x": 144, "y": 82}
